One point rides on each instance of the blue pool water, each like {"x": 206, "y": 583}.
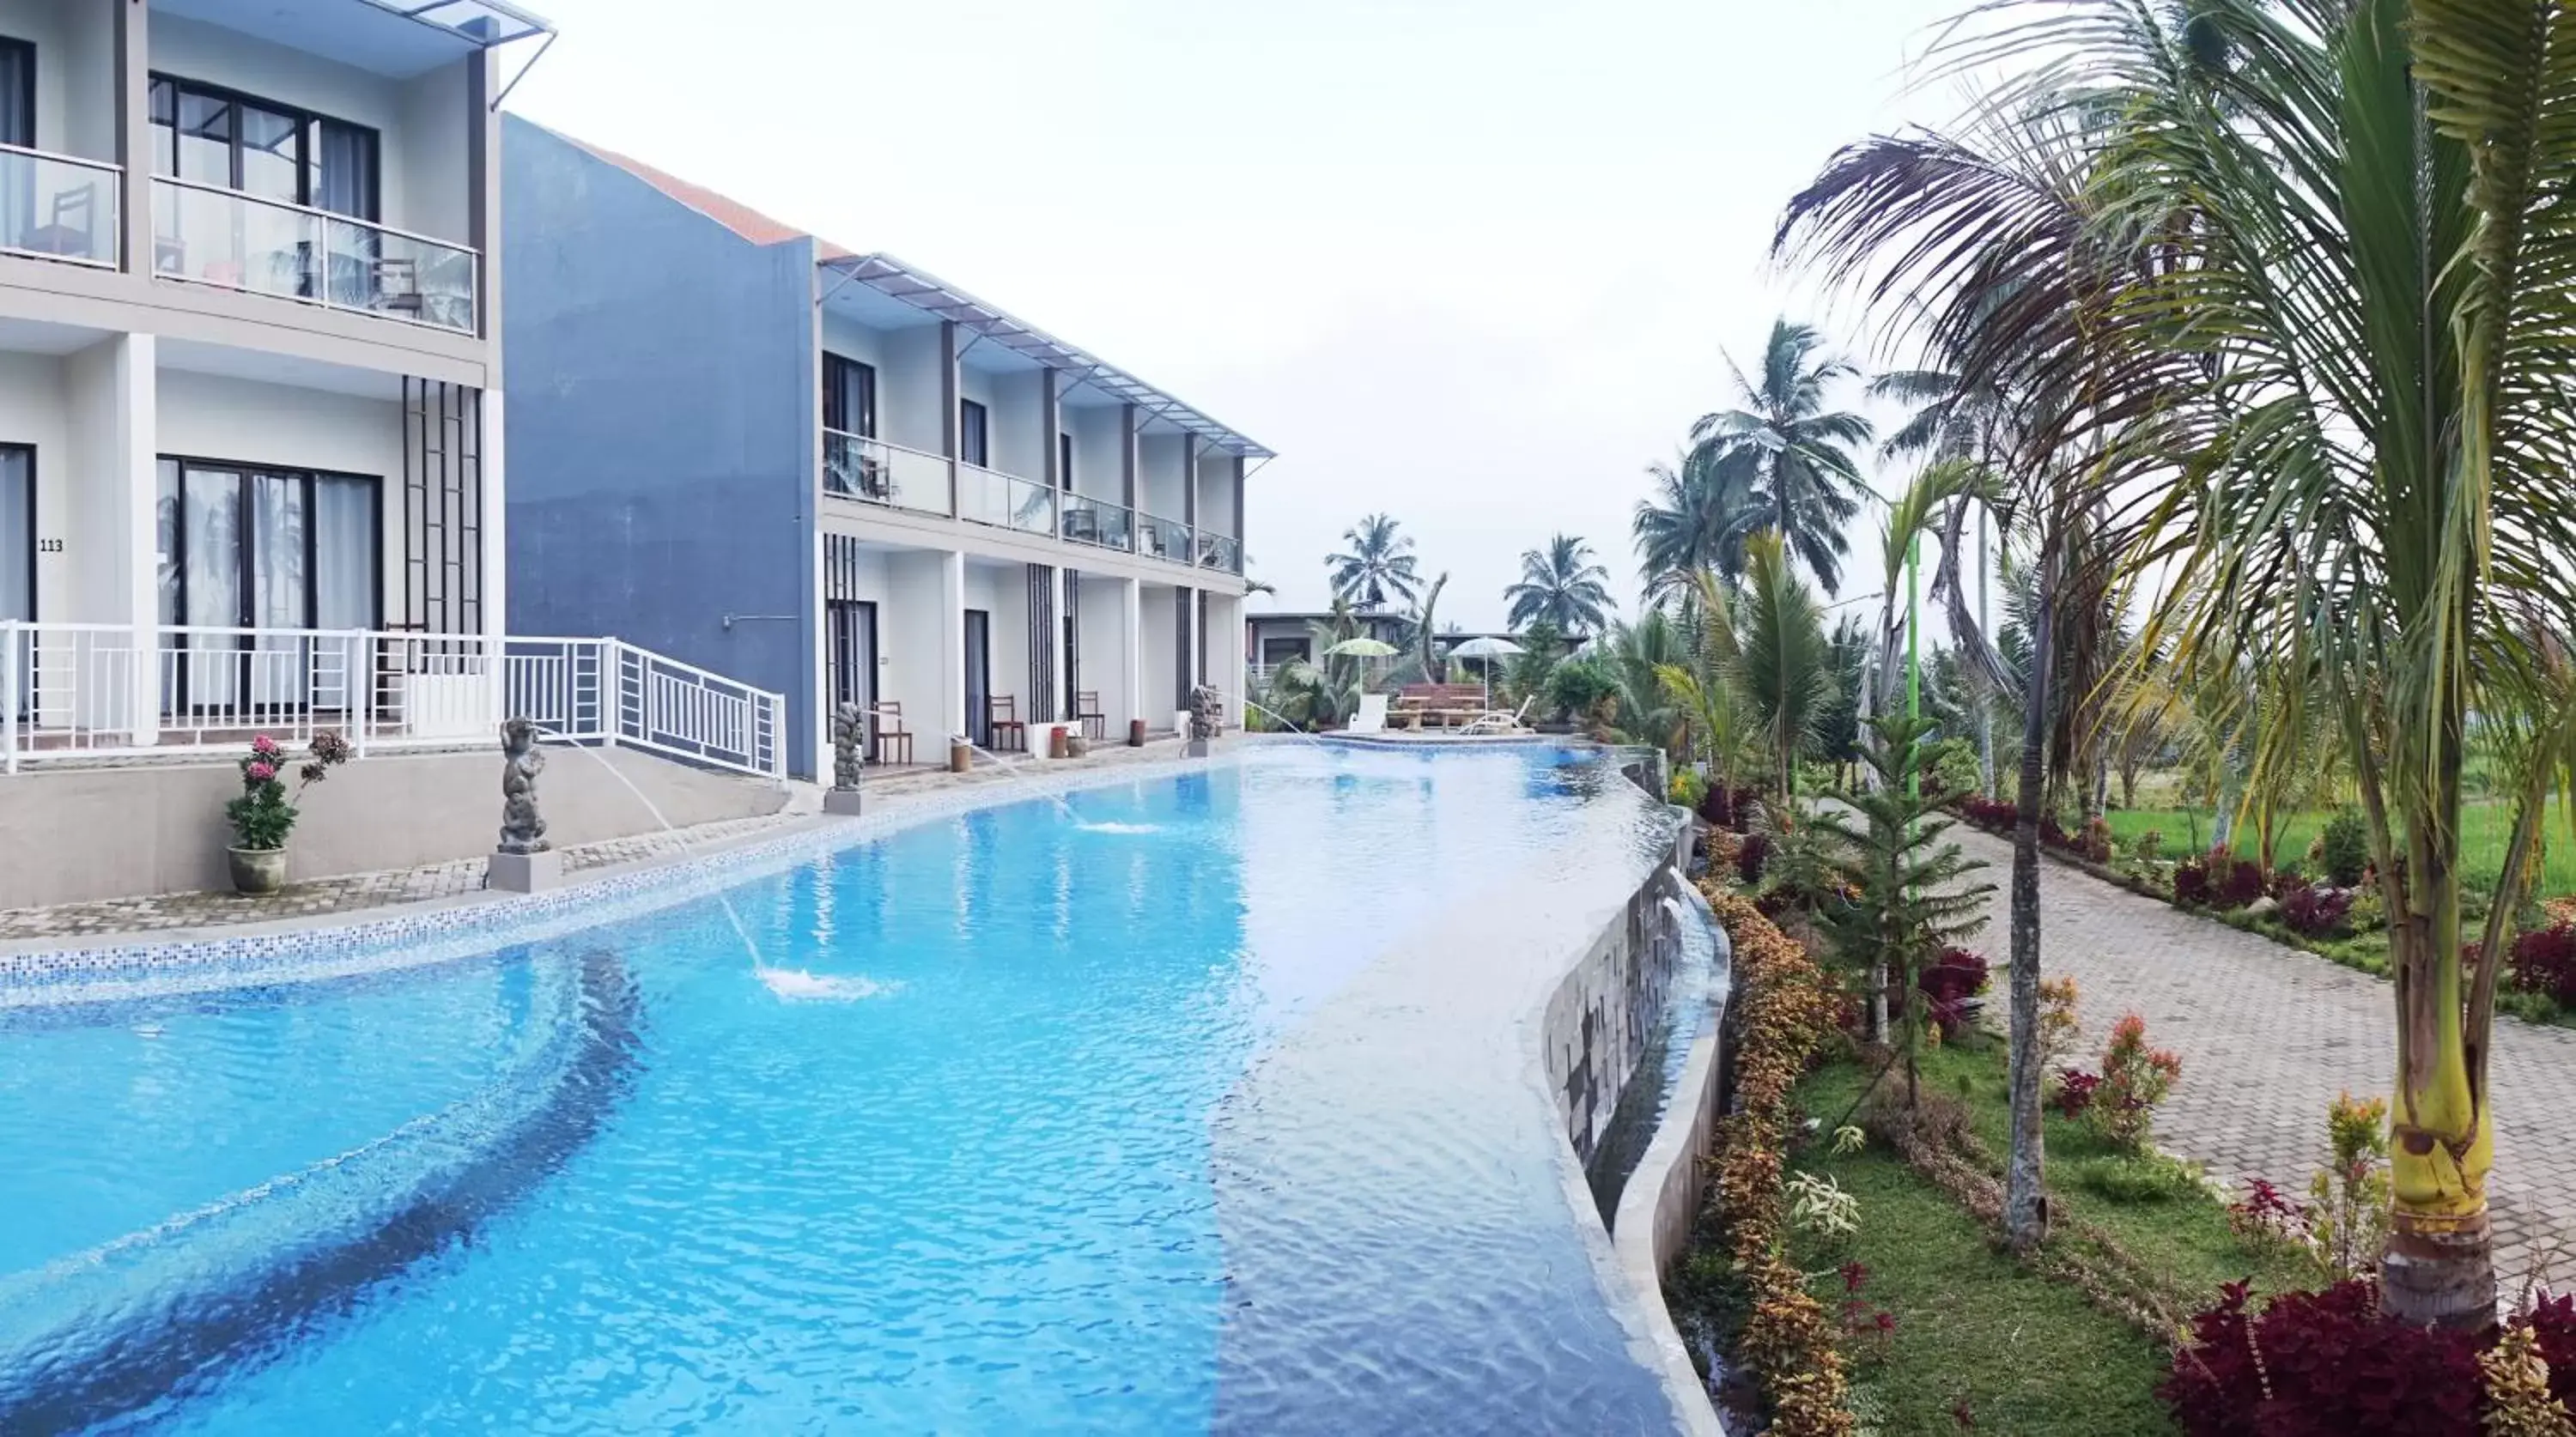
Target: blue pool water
{"x": 1205, "y": 1113}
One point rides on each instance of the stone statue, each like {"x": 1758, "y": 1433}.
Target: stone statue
{"x": 848, "y": 732}
{"x": 1207, "y": 709}
{"x": 523, "y": 829}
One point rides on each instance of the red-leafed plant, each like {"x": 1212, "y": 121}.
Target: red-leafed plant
{"x": 2544, "y": 961}
{"x": 2315, "y": 909}
{"x": 2240, "y": 880}
{"x": 2095, "y": 841}
{"x": 2135, "y": 1078}
{"x": 2266, "y": 1216}
{"x": 2074, "y": 1091}
{"x": 2321, "y": 1364}
{"x": 1750, "y": 858}
{"x": 1950, "y": 986}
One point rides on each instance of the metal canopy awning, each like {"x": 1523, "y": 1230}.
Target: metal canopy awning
{"x": 486, "y": 23}
{"x": 896, "y": 280}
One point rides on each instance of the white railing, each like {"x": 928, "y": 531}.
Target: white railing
{"x": 1098, "y": 521}
{"x": 206, "y": 234}
{"x": 58, "y": 207}
{"x": 83, "y": 691}
{"x": 1161, "y": 538}
{"x": 856, "y": 466}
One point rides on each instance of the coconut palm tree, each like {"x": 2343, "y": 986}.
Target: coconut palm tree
{"x": 2347, "y": 224}
{"x": 1695, "y": 521}
{"x": 1380, "y": 563}
{"x": 1784, "y": 669}
{"x": 1562, "y": 585}
{"x": 1782, "y": 444}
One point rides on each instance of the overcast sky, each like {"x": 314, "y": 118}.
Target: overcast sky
{"x": 1472, "y": 264}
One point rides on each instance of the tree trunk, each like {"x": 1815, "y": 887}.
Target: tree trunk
{"x": 2439, "y": 1267}
{"x": 2025, "y": 1196}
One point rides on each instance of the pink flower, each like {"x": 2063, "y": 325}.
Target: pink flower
{"x": 260, "y": 772}
{"x": 263, "y": 745}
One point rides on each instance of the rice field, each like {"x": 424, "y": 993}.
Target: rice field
{"x": 2487, "y": 827}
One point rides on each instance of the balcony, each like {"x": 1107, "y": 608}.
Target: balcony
{"x": 872, "y": 471}
{"x": 58, "y": 208}
{"x": 1217, "y": 551}
{"x": 1004, "y": 501}
{"x": 206, "y": 235}
{"x": 1161, "y": 538}
{"x": 1099, "y": 523}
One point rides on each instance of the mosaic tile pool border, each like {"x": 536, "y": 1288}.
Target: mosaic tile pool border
{"x": 452, "y": 930}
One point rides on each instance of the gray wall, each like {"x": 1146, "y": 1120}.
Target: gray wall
{"x": 661, "y": 424}
{"x": 70, "y": 835}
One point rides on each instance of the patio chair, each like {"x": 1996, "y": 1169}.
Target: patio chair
{"x": 889, "y": 734}
{"x": 1086, "y": 711}
{"x": 1372, "y": 715}
{"x": 1500, "y": 721}
{"x": 1002, "y": 716}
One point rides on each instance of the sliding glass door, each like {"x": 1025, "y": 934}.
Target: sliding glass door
{"x": 248, "y": 547}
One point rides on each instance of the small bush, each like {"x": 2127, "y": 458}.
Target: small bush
{"x": 2135, "y": 1078}
{"x": 2095, "y": 842}
{"x": 1950, "y": 988}
{"x": 2059, "y": 1028}
{"x": 2319, "y": 1363}
{"x": 2544, "y": 961}
{"x": 1991, "y": 814}
{"x": 2240, "y": 881}
{"x": 2073, "y": 1092}
{"x": 2348, "y": 1202}
{"x": 2343, "y": 849}
{"x": 2147, "y": 846}
{"x": 1690, "y": 788}
{"x": 2192, "y": 887}
{"x": 2266, "y": 1218}
{"x": 2315, "y": 911}
{"x": 2149, "y": 1177}
{"x": 1751, "y": 856}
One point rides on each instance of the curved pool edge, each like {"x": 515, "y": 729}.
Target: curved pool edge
{"x": 1662, "y": 1197}
{"x": 330, "y": 946}
{"x": 1565, "y": 1024}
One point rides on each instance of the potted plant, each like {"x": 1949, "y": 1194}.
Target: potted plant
{"x": 265, "y": 812}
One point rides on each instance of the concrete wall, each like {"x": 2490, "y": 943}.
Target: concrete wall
{"x": 909, "y": 628}
{"x": 1096, "y": 469}
{"x": 661, "y": 434}
{"x": 33, "y": 399}
{"x": 1155, "y": 658}
{"x": 69, "y": 835}
{"x": 908, "y": 387}
{"x": 1158, "y": 476}
{"x": 1600, "y": 1016}
{"x": 1101, "y": 653}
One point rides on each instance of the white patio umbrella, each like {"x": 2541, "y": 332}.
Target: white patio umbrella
{"x": 1488, "y": 649}
{"x": 1364, "y": 648}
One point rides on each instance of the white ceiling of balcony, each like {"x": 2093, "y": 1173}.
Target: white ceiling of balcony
{"x": 394, "y": 38}
{"x": 268, "y": 367}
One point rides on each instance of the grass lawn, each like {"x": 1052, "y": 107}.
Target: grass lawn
{"x": 1977, "y": 1331}
{"x": 2486, "y": 826}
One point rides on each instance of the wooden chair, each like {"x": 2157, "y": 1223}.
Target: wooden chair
{"x": 1002, "y": 715}
{"x": 887, "y": 730}
{"x": 1086, "y": 711}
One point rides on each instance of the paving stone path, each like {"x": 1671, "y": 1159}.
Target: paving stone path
{"x": 2269, "y": 1035}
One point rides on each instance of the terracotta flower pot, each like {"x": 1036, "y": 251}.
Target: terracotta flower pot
{"x": 257, "y": 870}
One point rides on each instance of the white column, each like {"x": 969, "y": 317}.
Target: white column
{"x": 1131, "y": 638}
{"x": 114, "y": 529}
{"x": 495, "y": 520}
{"x": 1225, "y": 612}
{"x": 952, "y": 648}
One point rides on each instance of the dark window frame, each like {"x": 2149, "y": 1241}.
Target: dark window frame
{"x": 1064, "y": 460}
{"x": 247, "y": 560}
{"x": 305, "y": 122}
{"x": 35, "y": 506}
{"x": 974, "y": 440}
{"x": 26, "y": 116}
{"x": 834, "y": 367}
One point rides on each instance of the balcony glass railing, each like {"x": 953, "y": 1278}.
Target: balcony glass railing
{"x": 1218, "y": 551}
{"x": 875, "y": 472}
{"x": 1161, "y": 538}
{"x": 1005, "y": 501}
{"x": 1097, "y": 521}
{"x": 57, "y": 207}
{"x": 207, "y": 235}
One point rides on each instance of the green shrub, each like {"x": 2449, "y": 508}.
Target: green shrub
{"x": 1954, "y": 767}
{"x": 2343, "y": 850}
{"x": 2148, "y": 1177}
{"x": 1689, "y": 788}
{"x": 1576, "y": 687}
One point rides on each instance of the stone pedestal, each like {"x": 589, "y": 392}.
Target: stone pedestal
{"x": 524, "y": 872}
{"x": 1195, "y": 748}
{"x": 843, "y": 801}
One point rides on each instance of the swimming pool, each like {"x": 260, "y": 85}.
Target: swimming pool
{"x": 1204, "y": 1109}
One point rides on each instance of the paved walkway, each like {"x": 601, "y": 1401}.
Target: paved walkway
{"x": 158, "y": 913}
{"x": 2268, "y": 1036}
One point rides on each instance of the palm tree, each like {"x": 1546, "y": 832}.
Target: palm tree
{"x": 1696, "y": 520}
{"x": 1782, "y": 444}
{"x": 1784, "y": 667}
{"x": 1562, "y": 585}
{"x": 1380, "y": 563}
{"x": 2348, "y": 298}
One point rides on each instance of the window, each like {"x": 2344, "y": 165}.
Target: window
{"x": 17, "y": 93}
{"x": 218, "y": 137}
{"x": 849, "y": 396}
{"x": 17, "y": 532}
{"x": 1064, "y": 462}
{"x": 973, "y": 434}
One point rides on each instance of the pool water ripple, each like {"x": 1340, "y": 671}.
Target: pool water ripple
{"x": 1215, "y": 1044}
